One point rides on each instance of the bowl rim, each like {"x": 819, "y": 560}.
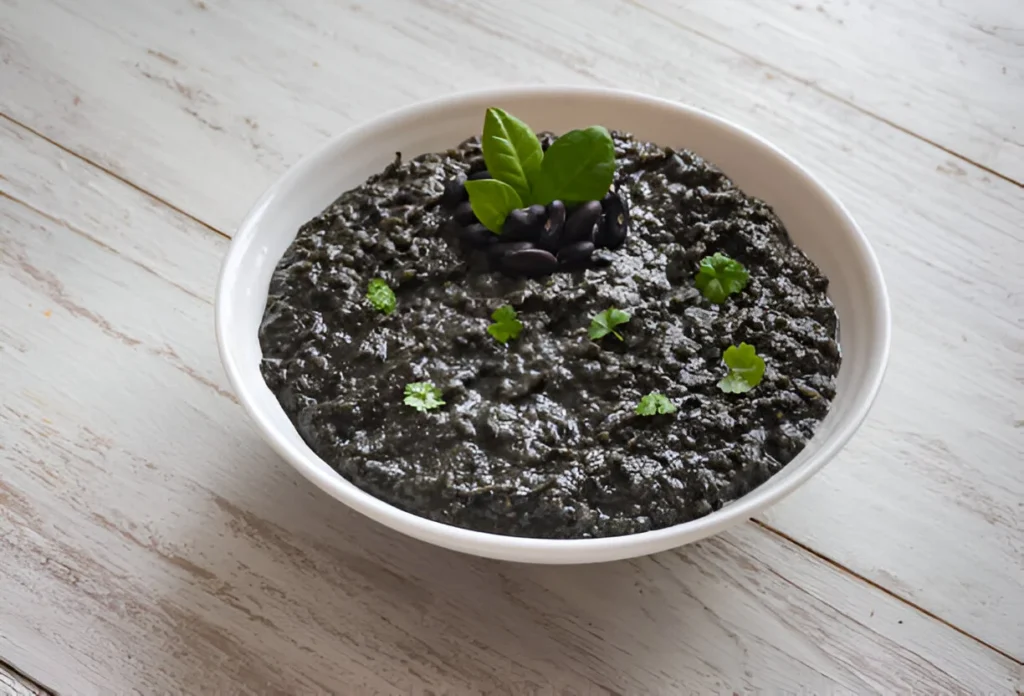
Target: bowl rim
{"x": 532, "y": 549}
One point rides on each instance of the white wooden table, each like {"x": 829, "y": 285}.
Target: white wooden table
{"x": 149, "y": 541}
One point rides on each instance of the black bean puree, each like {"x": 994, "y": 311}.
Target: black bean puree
{"x": 540, "y": 438}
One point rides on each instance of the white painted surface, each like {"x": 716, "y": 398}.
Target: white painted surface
{"x": 949, "y": 72}
{"x": 145, "y": 546}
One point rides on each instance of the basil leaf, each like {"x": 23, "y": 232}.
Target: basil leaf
{"x": 578, "y": 167}
{"x": 492, "y": 201}
{"x": 512, "y": 152}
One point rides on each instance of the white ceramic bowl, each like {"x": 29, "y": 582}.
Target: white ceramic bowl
{"x": 817, "y": 222}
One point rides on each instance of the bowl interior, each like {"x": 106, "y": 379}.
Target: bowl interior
{"x": 817, "y": 223}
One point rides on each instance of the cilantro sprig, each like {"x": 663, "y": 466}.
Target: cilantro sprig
{"x": 505, "y": 326}
{"x": 579, "y": 166}
{"x": 720, "y": 276}
{"x": 423, "y": 396}
{"x": 604, "y": 323}
{"x": 654, "y": 404}
{"x": 746, "y": 369}
{"x": 381, "y": 296}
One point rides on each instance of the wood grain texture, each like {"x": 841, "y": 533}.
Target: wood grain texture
{"x": 951, "y": 72}
{"x": 13, "y": 684}
{"x": 927, "y": 499}
{"x": 166, "y": 549}
{"x": 263, "y": 83}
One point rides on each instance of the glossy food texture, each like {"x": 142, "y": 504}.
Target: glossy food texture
{"x": 540, "y": 437}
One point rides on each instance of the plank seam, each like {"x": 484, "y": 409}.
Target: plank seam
{"x": 778, "y": 533}
{"x": 82, "y": 233}
{"x": 835, "y": 564}
{"x": 115, "y": 175}
{"x": 25, "y": 679}
{"x": 811, "y": 84}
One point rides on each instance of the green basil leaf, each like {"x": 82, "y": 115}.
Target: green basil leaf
{"x": 512, "y": 151}
{"x": 578, "y": 167}
{"x": 492, "y": 201}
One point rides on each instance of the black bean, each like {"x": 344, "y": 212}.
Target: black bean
{"x": 523, "y": 224}
{"x": 500, "y": 249}
{"x": 464, "y": 214}
{"x": 581, "y": 223}
{"x": 615, "y": 225}
{"x": 477, "y": 236}
{"x": 477, "y": 176}
{"x": 575, "y": 254}
{"x": 450, "y": 227}
{"x": 454, "y": 192}
{"x": 601, "y": 259}
{"x": 529, "y": 262}
{"x": 551, "y": 235}
{"x": 477, "y": 260}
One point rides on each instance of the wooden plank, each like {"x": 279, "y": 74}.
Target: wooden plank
{"x": 14, "y": 684}
{"x": 164, "y": 548}
{"x": 213, "y": 78}
{"x": 951, "y": 72}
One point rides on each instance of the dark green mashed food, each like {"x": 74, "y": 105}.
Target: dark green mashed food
{"x": 539, "y": 438}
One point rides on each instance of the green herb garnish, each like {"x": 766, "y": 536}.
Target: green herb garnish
{"x": 505, "y": 325}
{"x": 492, "y": 200}
{"x": 512, "y": 152}
{"x": 381, "y": 296}
{"x": 578, "y": 167}
{"x": 423, "y": 396}
{"x": 653, "y": 404}
{"x": 720, "y": 276}
{"x": 746, "y": 368}
{"x": 604, "y": 323}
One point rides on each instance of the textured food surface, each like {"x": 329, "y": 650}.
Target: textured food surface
{"x": 539, "y": 438}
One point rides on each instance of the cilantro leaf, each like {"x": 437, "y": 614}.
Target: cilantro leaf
{"x": 655, "y": 403}
{"x": 746, "y": 368}
{"x": 604, "y": 323}
{"x": 720, "y": 276}
{"x": 381, "y": 296}
{"x": 423, "y": 396}
{"x": 505, "y": 325}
